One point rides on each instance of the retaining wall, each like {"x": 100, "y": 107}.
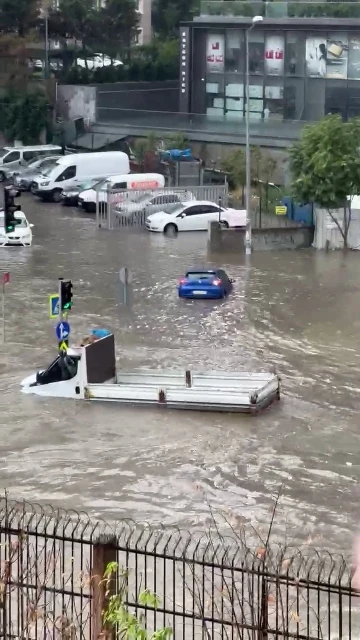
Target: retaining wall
{"x": 233, "y": 240}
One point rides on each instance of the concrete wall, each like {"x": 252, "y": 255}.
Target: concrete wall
{"x": 233, "y": 240}
{"x": 142, "y": 96}
{"x": 76, "y": 101}
{"x": 327, "y": 234}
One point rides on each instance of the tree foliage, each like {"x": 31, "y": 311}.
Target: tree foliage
{"x": 167, "y": 15}
{"x": 325, "y": 167}
{"x": 19, "y": 16}
{"x": 23, "y": 116}
{"x": 118, "y": 619}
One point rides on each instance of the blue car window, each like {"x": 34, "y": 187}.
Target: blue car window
{"x": 200, "y": 275}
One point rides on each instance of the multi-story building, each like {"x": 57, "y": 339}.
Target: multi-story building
{"x": 304, "y": 63}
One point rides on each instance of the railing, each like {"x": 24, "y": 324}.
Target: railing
{"x": 111, "y": 215}
{"x": 278, "y": 9}
{"x": 168, "y": 122}
{"x": 52, "y": 563}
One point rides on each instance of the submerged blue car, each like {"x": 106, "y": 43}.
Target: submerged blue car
{"x": 210, "y": 284}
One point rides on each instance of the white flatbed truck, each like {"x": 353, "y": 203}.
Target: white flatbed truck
{"x": 90, "y": 373}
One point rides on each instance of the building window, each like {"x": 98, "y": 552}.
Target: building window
{"x": 256, "y": 99}
{"x": 353, "y": 100}
{"x": 215, "y": 53}
{"x": 234, "y": 51}
{"x": 274, "y": 55}
{"x": 234, "y": 99}
{"x": 294, "y": 94}
{"x": 354, "y": 57}
{"x": 256, "y": 52}
{"x": 274, "y": 99}
{"x": 336, "y": 94}
{"x": 295, "y": 54}
{"x": 215, "y": 99}
{"x": 314, "y": 107}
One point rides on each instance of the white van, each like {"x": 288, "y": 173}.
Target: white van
{"x": 16, "y": 157}
{"x": 79, "y": 167}
{"x": 136, "y": 181}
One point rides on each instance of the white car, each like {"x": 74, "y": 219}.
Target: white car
{"x": 97, "y": 61}
{"x": 22, "y": 234}
{"x": 150, "y": 203}
{"x": 194, "y": 216}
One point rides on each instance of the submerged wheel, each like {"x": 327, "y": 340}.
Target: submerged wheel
{"x": 171, "y": 228}
{"x": 56, "y": 195}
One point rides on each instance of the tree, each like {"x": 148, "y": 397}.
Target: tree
{"x": 177, "y": 140}
{"x": 19, "y": 16}
{"x": 119, "y": 21}
{"x": 145, "y": 151}
{"x": 167, "y": 15}
{"x": 24, "y": 116}
{"x": 325, "y": 167}
{"x": 76, "y": 20}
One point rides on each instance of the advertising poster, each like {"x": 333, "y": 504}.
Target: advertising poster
{"x": 337, "y": 50}
{"x": 327, "y": 58}
{"x": 274, "y": 55}
{"x": 354, "y": 59}
{"x": 315, "y": 55}
{"x": 215, "y": 53}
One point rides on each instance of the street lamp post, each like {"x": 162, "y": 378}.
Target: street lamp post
{"x": 248, "y": 242}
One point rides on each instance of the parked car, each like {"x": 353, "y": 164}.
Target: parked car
{"x": 22, "y": 234}
{"x": 209, "y": 284}
{"x": 194, "y": 216}
{"x": 152, "y": 202}
{"x": 23, "y": 178}
{"x": 14, "y": 158}
{"x": 70, "y": 195}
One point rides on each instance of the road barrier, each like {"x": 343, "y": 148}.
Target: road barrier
{"x": 118, "y": 209}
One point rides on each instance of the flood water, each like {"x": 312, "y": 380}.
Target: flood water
{"x": 299, "y": 311}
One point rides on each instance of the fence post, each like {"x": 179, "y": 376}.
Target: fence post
{"x": 104, "y": 551}
{"x": 264, "y": 614}
{"x": 98, "y": 221}
{"x": 108, "y": 207}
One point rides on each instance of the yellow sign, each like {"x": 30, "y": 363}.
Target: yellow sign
{"x": 281, "y": 211}
{"x": 63, "y": 346}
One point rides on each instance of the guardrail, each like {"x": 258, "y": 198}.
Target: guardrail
{"x": 278, "y": 9}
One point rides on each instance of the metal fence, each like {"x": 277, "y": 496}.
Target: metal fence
{"x": 52, "y": 562}
{"x": 118, "y": 209}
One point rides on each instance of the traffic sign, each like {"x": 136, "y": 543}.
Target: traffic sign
{"x": 125, "y": 275}
{"x": 6, "y": 277}
{"x": 281, "y": 211}
{"x": 63, "y": 346}
{"x": 62, "y": 330}
{"x": 54, "y": 305}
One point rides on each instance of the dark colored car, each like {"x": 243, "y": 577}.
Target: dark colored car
{"x": 210, "y": 284}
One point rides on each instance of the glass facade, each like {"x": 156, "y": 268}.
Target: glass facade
{"x": 293, "y": 75}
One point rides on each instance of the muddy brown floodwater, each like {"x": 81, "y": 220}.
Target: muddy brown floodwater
{"x": 299, "y": 311}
